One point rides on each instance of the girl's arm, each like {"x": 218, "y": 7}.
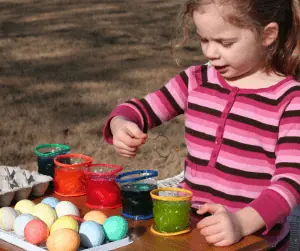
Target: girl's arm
{"x": 278, "y": 200}
{"x": 155, "y": 108}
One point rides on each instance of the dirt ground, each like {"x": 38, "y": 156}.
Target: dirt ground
{"x": 66, "y": 64}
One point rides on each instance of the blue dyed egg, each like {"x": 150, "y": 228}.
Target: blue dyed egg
{"x": 91, "y": 234}
{"x": 115, "y": 228}
{"x": 51, "y": 201}
{"x": 20, "y": 223}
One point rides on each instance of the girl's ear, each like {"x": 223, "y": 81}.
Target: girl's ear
{"x": 270, "y": 34}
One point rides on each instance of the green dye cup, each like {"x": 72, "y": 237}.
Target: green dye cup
{"x": 171, "y": 211}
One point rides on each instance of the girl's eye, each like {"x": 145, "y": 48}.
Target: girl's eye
{"x": 227, "y": 45}
{"x": 203, "y": 40}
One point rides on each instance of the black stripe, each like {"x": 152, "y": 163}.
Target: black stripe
{"x": 250, "y": 175}
{"x": 289, "y": 140}
{"x": 249, "y": 148}
{"x": 204, "y": 73}
{"x": 290, "y": 114}
{"x": 203, "y": 109}
{"x": 283, "y": 241}
{"x": 185, "y": 78}
{"x": 200, "y": 135}
{"x": 217, "y": 193}
{"x": 171, "y": 100}
{"x": 294, "y": 184}
{"x": 288, "y": 164}
{"x": 216, "y": 87}
{"x": 197, "y": 161}
{"x": 253, "y": 122}
{"x": 273, "y": 102}
{"x": 153, "y": 116}
{"x": 145, "y": 129}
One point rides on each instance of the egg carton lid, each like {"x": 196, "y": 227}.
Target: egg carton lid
{"x": 14, "y": 178}
{"x": 18, "y": 184}
{"x": 18, "y": 241}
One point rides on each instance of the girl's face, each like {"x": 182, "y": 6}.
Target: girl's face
{"x": 233, "y": 51}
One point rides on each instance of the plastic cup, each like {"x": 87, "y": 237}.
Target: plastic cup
{"x": 171, "y": 210}
{"x": 69, "y": 179}
{"x": 135, "y": 188}
{"x": 45, "y": 157}
{"x": 101, "y": 186}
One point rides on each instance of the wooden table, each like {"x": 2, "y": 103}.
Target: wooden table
{"x": 147, "y": 241}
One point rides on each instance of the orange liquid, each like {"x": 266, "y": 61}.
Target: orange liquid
{"x": 69, "y": 182}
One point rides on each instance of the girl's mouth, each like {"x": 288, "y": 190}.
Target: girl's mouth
{"x": 221, "y": 68}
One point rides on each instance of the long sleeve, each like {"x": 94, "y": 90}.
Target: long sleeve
{"x": 155, "y": 108}
{"x": 281, "y": 197}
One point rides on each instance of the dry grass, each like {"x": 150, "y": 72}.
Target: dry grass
{"x": 66, "y": 64}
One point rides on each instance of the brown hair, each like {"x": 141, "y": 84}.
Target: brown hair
{"x": 283, "y": 56}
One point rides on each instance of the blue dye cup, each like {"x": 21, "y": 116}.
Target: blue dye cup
{"x": 135, "y": 189}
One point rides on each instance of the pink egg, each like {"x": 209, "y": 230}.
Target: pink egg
{"x": 36, "y": 231}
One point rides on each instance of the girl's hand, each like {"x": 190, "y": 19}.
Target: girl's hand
{"x": 127, "y": 136}
{"x": 222, "y": 228}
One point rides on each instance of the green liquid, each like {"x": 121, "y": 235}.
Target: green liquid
{"x": 171, "y": 216}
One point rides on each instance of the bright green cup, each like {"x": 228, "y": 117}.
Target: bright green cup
{"x": 171, "y": 213}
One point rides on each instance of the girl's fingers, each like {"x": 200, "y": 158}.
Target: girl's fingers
{"x": 222, "y": 243}
{"x": 120, "y": 145}
{"x": 129, "y": 141}
{"x": 210, "y": 230}
{"x": 125, "y": 153}
{"x": 208, "y": 221}
{"x": 216, "y": 238}
{"x": 134, "y": 131}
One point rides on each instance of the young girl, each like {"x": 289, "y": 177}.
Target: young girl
{"x": 242, "y": 118}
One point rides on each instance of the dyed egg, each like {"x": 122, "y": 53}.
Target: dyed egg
{"x": 20, "y": 223}
{"x": 65, "y": 222}
{"x": 45, "y": 213}
{"x": 91, "y": 234}
{"x": 51, "y": 201}
{"x": 96, "y": 216}
{"x": 7, "y": 218}
{"x": 115, "y": 228}
{"x": 64, "y": 239}
{"x": 66, "y": 208}
{"x": 24, "y": 206}
{"x": 36, "y": 231}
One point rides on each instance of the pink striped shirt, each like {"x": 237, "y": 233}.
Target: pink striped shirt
{"x": 243, "y": 144}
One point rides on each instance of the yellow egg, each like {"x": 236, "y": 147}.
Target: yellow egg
{"x": 24, "y": 206}
{"x": 45, "y": 213}
{"x": 65, "y": 222}
{"x": 64, "y": 239}
{"x": 96, "y": 216}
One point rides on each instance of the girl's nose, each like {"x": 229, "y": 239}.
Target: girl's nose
{"x": 211, "y": 51}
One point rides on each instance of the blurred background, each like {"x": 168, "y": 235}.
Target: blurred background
{"x": 66, "y": 64}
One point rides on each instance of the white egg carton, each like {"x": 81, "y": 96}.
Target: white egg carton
{"x": 18, "y": 184}
{"x": 18, "y": 241}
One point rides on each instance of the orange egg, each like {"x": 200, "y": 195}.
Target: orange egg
{"x": 96, "y": 216}
{"x": 63, "y": 239}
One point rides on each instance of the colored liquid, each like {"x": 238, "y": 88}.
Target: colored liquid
{"x": 102, "y": 192}
{"x": 171, "y": 216}
{"x": 46, "y": 166}
{"x": 136, "y": 199}
{"x": 69, "y": 182}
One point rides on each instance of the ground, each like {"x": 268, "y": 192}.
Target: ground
{"x": 66, "y": 64}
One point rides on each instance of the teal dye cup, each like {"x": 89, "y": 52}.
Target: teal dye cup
{"x": 45, "y": 157}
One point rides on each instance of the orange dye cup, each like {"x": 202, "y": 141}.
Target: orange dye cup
{"x": 69, "y": 179}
